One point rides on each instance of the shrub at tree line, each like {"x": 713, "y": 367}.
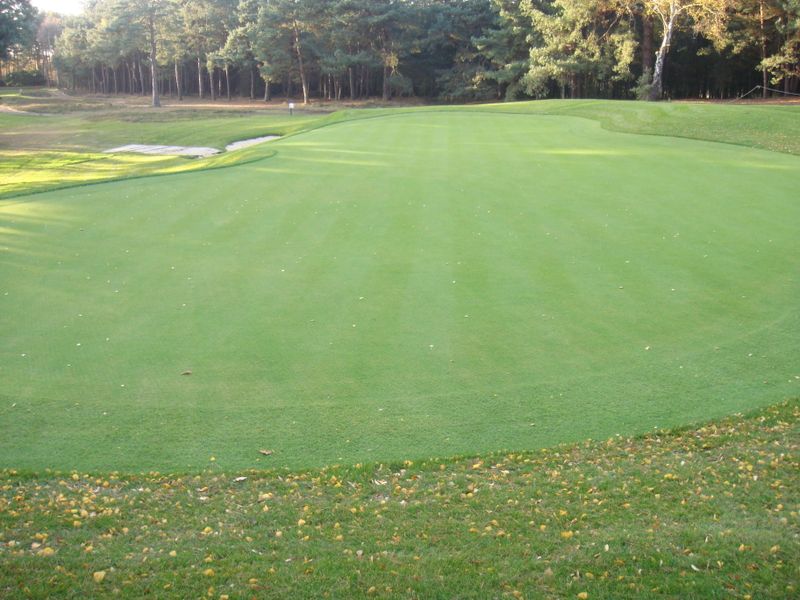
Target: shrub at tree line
{"x": 452, "y": 50}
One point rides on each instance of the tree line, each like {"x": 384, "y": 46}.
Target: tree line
{"x": 450, "y": 50}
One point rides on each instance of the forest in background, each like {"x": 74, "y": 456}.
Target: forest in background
{"x": 444, "y": 50}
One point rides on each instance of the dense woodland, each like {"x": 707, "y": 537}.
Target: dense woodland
{"x": 448, "y": 50}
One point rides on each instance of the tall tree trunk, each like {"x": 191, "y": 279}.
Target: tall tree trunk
{"x": 227, "y": 82}
{"x": 266, "y": 90}
{"x": 141, "y": 75}
{"x": 178, "y": 81}
{"x": 252, "y": 84}
{"x": 153, "y": 60}
{"x": 764, "y": 79}
{"x": 352, "y": 78}
{"x": 211, "y": 72}
{"x": 199, "y": 77}
{"x": 657, "y": 89}
{"x": 116, "y": 88}
{"x": 298, "y": 50}
{"x": 387, "y": 92}
{"x": 647, "y": 44}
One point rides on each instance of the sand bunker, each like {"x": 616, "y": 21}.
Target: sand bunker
{"x": 245, "y": 143}
{"x": 189, "y": 150}
{"x": 165, "y": 150}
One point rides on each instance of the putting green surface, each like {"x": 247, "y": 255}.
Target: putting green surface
{"x": 404, "y": 286}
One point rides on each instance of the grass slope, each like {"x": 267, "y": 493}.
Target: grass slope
{"x": 770, "y": 127}
{"x": 433, "y": 283}
{"x": 703, "y": 513}
{"x": 63, "y": 149}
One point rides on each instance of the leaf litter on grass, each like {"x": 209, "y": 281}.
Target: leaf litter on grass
{"x": 710, "y": 511}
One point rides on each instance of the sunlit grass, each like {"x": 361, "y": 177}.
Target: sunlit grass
{"x": 26, "y": 172}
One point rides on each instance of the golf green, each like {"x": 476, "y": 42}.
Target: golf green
{"x": 423, "y": 284}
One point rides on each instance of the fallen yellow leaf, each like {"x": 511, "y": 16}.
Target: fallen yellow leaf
{"x": 98, "y": 576}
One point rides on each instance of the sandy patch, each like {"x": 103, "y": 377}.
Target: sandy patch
{"x": 189, "y": 150}
{"x": 246, "y": 143}
{"x": 165, "y": 150}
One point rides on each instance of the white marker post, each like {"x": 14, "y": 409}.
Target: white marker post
{"x": 291, "y": 108}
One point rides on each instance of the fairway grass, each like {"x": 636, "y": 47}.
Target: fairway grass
{"x": 410, "y": 285}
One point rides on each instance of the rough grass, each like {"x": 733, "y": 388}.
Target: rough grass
{"x": 45, "y": 153}
{"x": 706, "y": 512}
{"x": 98, "y": 133}
{"x": 60, "y": 142}
{"x": 24, "y": 172}
{"x": 771, "y": 127}
{"x": 432, "y": 283}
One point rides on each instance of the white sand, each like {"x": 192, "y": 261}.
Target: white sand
{"x": 245, "y": 143}
{"x": 189, "y": 150}
{"x": 165, "y": 150}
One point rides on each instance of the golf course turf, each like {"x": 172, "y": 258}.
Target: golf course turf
{"x": 417, "y": 284}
